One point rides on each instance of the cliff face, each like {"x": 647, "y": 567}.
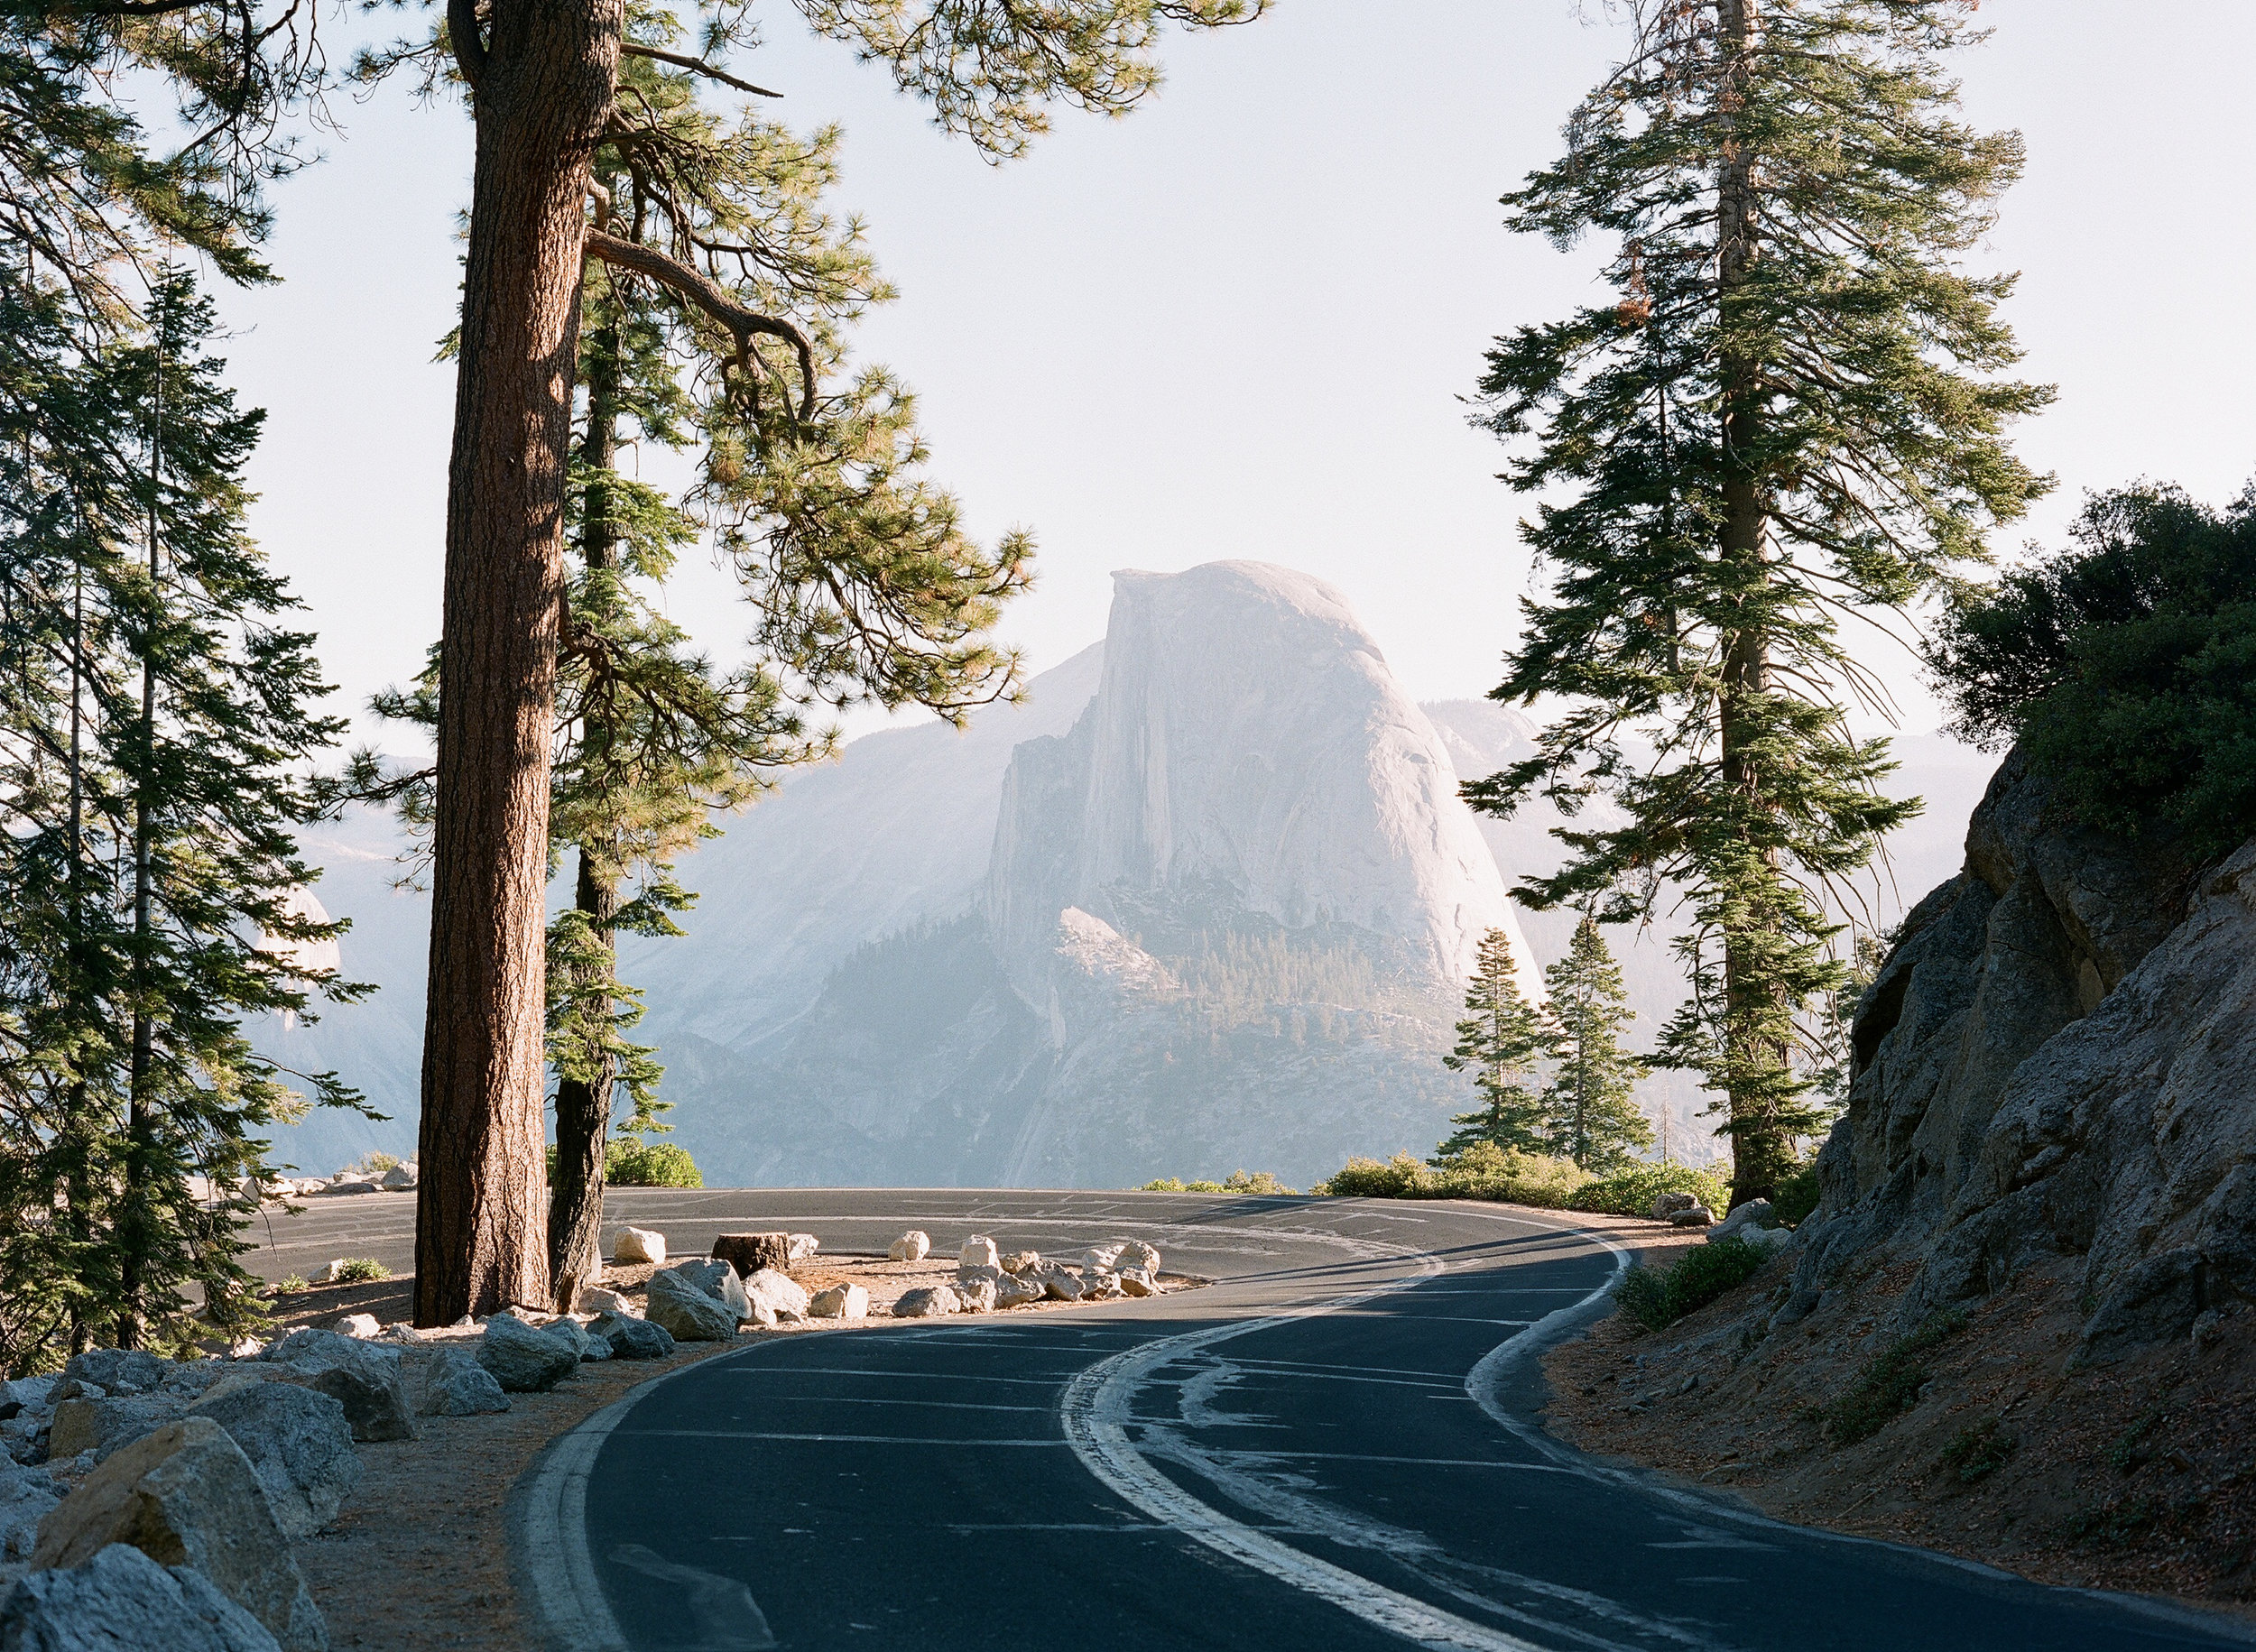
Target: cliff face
{"x": 2055, "y": 1062}
{"x": 1248, "y": 763}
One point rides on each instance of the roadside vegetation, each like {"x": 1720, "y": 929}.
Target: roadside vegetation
{"x": 1658, "y": 1297}
{"x": 1237, "y": 1181}
{"x": 629, "y": 1163}
{"x": 1483, "y": 1170}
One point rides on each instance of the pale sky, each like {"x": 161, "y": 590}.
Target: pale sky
{"x": 1237, "y": 323}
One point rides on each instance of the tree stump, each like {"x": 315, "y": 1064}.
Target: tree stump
{"x": 748, "y": 1253}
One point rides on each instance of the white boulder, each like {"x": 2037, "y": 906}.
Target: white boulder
{"x": 978, "y": 1251}
{"x": 358, "y": 1325}
{"x": 975, "y": 1295}
{"x": 839, "y": 1302}
{"x": 1021, "y": 1261}
{"x": 913, "y": 1246}
{"x": 781, "y": 1294}
{"x": 638, "y": 1245}
{"x": 597, "y": 1300}
{"x": 804, "y": 1245}
{"x": 1015, "y": 1290}
{"x": 1138, "y": 1282}
{"x": 1135, "y": 1254}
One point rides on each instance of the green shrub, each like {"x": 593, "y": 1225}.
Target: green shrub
{"x": 1632, "y": 1192}
{"x": 1237, "y": 1181}
{"x": 657, "y": 1164}
{"x": 361, "y": 1271}
{"x": 290, "y": 1284}
{"x": 628, "y": 1163}
{"x": 1890, "y": 1384}
{"x": 378, "y": 1163}
{"x": 1655, "y": 1298}
{"x": 1481, "y": 1171}
{"x": 1796, "y": 1198}
{"x": 1978, "y": 1451}
{"x": 2125, "y": 667}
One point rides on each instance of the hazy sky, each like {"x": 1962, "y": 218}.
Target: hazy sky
{"x": 1237, "y": 323}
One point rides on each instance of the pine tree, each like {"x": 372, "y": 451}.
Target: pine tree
{"x": 1589, "y": 1116}
{"x": 1789, "y": 417}
{"x": 158, "y": 718}
{"x": 1500, "y": 1042}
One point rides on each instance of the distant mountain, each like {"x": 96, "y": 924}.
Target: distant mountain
{"x": 1204, "y": 900}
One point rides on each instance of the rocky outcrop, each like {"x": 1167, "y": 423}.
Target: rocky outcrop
{"x": 2056, "y": 1061}
{"x": 121, "y": 1600}
{"x": 187, "y": 1496}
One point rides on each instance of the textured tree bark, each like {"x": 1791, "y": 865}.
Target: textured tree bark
{"x": 583, "y": 1106}
{"x": 543, "y": 83}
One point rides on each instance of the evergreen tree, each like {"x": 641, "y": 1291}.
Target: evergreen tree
{"x": 1789, "y": 417}
{"x": 1589, "y": 1116}
{"x": 1500, "y": 1042}
{"x": 157, "y": 717}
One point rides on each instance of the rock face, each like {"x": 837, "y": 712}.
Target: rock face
{"x": 121, "y": 1600}
{"x": 26, "y": 1494}
{"x": 1226, "y": 908}
{"x": 299, "y": 1446}
{"x": 186, "y": 1495}
{"x": 2053, "y": 1061}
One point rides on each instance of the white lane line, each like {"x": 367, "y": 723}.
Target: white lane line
{"x": 1096, "y": 1412}
{"x": 956, "y": 1442}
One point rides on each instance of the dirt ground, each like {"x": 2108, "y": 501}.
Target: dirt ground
{"x": 2137, "y": 1476}
{"x": 420, "y": 1557}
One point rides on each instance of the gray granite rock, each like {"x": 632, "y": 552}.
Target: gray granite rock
{"x": 121, "y": 1600}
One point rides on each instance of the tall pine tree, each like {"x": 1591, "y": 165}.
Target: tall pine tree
{"x": 1501, "y": 1041}
{"x": 1789, "y": 417}
{"x": 1590, "y": 1115}
{"x": 158, "y": 717}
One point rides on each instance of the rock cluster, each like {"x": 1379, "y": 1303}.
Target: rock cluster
{"x": 987, "y": 1281}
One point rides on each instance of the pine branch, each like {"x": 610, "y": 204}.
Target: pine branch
{"x": 709, "y": 297}
{"x": 698, "y": 66}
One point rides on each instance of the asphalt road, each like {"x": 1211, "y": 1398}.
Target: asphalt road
{"x": 1334, "y": 1446}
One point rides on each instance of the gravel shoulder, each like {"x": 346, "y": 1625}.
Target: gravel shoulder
{"x": 2138, "y": 1476}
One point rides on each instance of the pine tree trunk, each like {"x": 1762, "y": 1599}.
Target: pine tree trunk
{"x": 134, "y": 1229}
{"x": 583, "y": 1129}
{"x": 1748, "y": 993}
{"x": 583, "y": 1107}
{"x": 543, "y": 85}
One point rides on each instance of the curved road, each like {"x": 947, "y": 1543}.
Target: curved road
{"x": 1333, "y": 1447}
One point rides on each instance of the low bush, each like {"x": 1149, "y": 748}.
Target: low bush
{"x": 1890, "y": 1384}
{"x": 1978, "y": 1451}
{"x": 1659, "y": 1297}
{"x": 1632, "y": 1192}
{"x": 289, "y": 1285}
{"x": 361, "y": 1271}
{"x": 633, "y": 1164}
{"x": 656, "y": 1164}
{"x": 1237, "y": 1181}
{"x": 376, "y": 1164}
{"x": 1481, "y": 1171}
